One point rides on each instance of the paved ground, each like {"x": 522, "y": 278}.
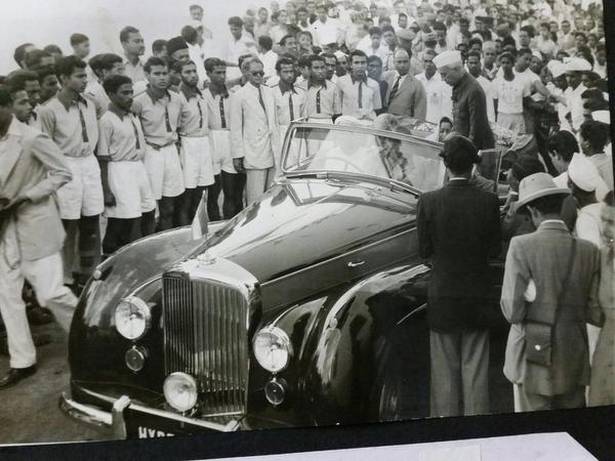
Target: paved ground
{"x": 29, "y": 411}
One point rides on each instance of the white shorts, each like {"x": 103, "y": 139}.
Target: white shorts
{"x": 197, "y": 164}
{"x": 130, "y": 186}
{"x": 221, "y": 147}
{"x": 83, "y": 195}
{"x": 164, "y": 171}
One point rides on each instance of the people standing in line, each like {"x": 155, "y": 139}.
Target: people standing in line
{"x": 196, "y": 159}
{"x": 469, "y": 103}
{"x": 134, "y": 47}
{"x": 254, "y": 132}
{"x": 226, "y": 178}
{"x": 438, "y": 94}
{"x": 547, "y": 357}
{"x": 70, "y": 120}
{"x": 322, "y": 99}
{"x": 406, "y": 95}
{"x": 458, "y": 228}
{"x": 159, "y": 111}
{"x": 129, "y": 202}
{"x": 359, "y": 94}
{"x": 32, "y": 169}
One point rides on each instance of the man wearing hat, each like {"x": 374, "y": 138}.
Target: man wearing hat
{"x": 574, "y": 75}
{"x": 458, "y": 229}
{"x": 177, "y": 49}
{"x": 547, "y": 357}
{"x": 469, "y": 102}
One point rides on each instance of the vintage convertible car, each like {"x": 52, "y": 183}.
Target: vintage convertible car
{"x": 307, "y": 308}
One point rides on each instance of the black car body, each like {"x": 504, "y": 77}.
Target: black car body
{"x": 321, "y": 275}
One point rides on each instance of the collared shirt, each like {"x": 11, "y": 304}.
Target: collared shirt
{"x": 322, "y": 101}
{"x": 96, "y": 93}
{"x": 359, "y": 98}
{"x": 218, "y": 106}
{"x": 283, "y": 98}
{"x": 439, "y": 94}
{"x": 134, "y": 71}
{"x": 159, "y": 116}
{"x": 71, "y": 124}
{"x": 121, "y": 137}
{"x": 193, "y": 118}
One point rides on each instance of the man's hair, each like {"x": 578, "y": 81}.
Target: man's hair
{"x": 5, "y": 98}
{"x": 304, "y": 61}
{"x": 551, "y": 204}
{"x": 67, "y": 65}
{"x": 244, "y": 57}
{"x": 235, "y": 21}
{"x": 316, "y": 57}
{"x": 475, "y": 41}
{"x": 375, "y": 31}
{"x": 439, "y": 26}
{"x": 564, "y": 144}
{"x": 154, "y": 61}
{"x": 189, "y": 34}
{"x": 387, "y": 29}
{"x": 301, "y": 9}
{"x": 529, "y": 30}
{"x": 212, "y": 63}
{"x": 474, "y": 54}
{"x": 34, "y": 58}
{"x": 95, "y": 64}
{"x": 16, "y": 80}
{"x": 445, "y": 120}
{"x": 459, "y": 154}
{"x": 112, "y": 83}
{"x": 125, "y": 33}
{"x": 304, "y": 32}
{"x": 283, "y": 61}
{"x": 284, "y": 39}
{"x": 523, "y": 51}
{"x": 582, "y": 34}
{"x": 78, "y": 39}
{"x": 108, "y": 60}
{"x": 44, "y": 72}
{"x": 374, "y": 58}
{"x": 358, "y": 53}
{"x": 195, "y": 7}
{"x": 609, "y": 199}
{"x": 20, "y": 52}
{"x": 508, "y": 55}
{"x": 402, "y": 14}
{"x": 595, "y": 133}
{"x": 158, "y": 45}
{"x": 53, "y": 49}
{"x": 328, "y": 56}
{"x": 525, "y": 166}
{"x": 430, "y": 51}
{"x": 246, "y": 63}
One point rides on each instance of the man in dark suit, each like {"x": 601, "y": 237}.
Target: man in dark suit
{"x": 469, "y": 103}
{"x": 459, "y": 229}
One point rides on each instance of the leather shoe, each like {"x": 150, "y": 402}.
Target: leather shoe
{"x": 15, "y": 375}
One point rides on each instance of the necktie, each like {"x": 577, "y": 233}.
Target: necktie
{"x": 260, "y": 100}
{"x": 222, "y": 116}
{"x": 166, "y": 118}
{"x": 394, "y": 89}
{"x": 84, "y": 129}
{"x": 198, "y": 104}
{"x": 290, "y": 106}
{"x": 360, "y": 94}
{"x": 318, "y": 101}
{"x": 134, "y": 127}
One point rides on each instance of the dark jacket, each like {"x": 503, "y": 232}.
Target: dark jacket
{"x": 470, "y": 112}
{"x": 459, "y": 229}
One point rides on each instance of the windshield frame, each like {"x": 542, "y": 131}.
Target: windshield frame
{"x": 351, "y": 175}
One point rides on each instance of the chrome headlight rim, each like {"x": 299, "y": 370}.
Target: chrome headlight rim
{"x": 142, "y": 307}
{"x": 282, "y": 339}
{"x": 189, "y": 382}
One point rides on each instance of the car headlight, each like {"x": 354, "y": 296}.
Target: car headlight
{"x": 132, "y": 317}
{"x": 180, "y": 391}
{"x": 272, "y": 349}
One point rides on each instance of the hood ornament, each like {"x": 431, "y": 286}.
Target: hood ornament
{"x": 206, "y": 258}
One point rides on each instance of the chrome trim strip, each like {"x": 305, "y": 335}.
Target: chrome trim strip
{"x": 412, "y": 313}
{"x": 335, "y": 258}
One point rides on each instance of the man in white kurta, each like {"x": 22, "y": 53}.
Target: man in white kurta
{"x": 254, "y": 131}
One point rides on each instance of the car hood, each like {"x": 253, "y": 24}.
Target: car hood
{"x": 300, "y": 222}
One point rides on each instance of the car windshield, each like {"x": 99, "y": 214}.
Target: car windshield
{"x": 341, "y": 149}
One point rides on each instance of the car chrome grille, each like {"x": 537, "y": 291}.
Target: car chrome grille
{"x": 205, "y": 335}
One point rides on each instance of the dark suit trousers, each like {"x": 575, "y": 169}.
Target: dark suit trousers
{"x": 459, "y": 373}
{"x": 233, "y": 186}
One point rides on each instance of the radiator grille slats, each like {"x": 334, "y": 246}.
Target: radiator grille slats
{"x": 205, "y": 333}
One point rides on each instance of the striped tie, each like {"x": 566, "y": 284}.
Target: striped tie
{"x": 222, "y": 115}
{"x": 84, "y": 128}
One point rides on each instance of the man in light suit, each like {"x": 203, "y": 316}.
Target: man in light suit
{"x": 541, "y": 261}
{"x": 254, "y": 131}
{"x": 406, "y": 95}
{"x": 458, "y": 228}
{"x": 32, "y": 169}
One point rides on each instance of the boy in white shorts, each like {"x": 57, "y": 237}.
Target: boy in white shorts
{"x": 70, "y": 121}
{"x": 159, "y": 110}
{"x": 195, "y": 154}
{"x": 129, "y": 203}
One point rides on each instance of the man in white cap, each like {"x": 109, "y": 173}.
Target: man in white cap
{"x": 547, "y": 356}
{"x": 469, "y": 102}
{"x": 574, "y": 74}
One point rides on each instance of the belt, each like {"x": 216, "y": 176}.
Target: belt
{"x": 157, "y": 147}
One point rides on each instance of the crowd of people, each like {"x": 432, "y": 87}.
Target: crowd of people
{"x": 96, "y": 151}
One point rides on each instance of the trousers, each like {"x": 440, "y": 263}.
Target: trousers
{"x": 233, "y": 185}
{"x": 527, "y": 401}
{"x": 257, "y": 182}
{"x": 46, "y": 277}
{"x": 459, "y": 373}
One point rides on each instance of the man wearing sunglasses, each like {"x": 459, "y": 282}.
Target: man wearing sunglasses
{"x": 254, "y": 130}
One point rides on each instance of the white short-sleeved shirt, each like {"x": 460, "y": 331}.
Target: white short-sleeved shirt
{"x": 510, "y": 94}
{"x": 349, "y": 96}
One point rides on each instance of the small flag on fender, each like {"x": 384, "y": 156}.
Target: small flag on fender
{"x": 199, "y": 223}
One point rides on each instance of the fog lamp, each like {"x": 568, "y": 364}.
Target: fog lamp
{"x": 135, "y": 358}
{"x": 272, "y": 349}
{"x": 275, "y": 391}
{"x": 180, "y": 391}
{"x": 132, "y": 317}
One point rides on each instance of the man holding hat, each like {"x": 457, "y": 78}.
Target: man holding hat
{"x": 469, "y": 102}
{"x": 547, "y": 356}
{"x": 459, "y": 229}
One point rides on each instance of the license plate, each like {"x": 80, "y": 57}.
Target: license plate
{"x": 144, "y": 432}
{"x": 145, "y": 426}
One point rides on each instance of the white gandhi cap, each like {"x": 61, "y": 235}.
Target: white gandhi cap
{"x": 583, "y": 173}
{"x": 447, "y": 58}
